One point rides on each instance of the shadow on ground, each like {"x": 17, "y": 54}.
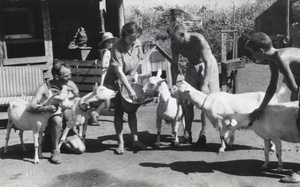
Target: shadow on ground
{"x": 234, "y": 167}
{"x": 166, "y": 144}
{"x": 103, "y": 143}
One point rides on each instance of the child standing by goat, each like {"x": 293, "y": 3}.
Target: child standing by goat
{"x": 105, "y": 55}
{"x": 285, "y": 60}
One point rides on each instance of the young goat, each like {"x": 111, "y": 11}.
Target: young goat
{"x": 78, "y": 115}
{"x": 168, "y": 109}
{"x": 220, "y": 102}
{"x": 21, "y": 119}
{"x": 278, "y": 122}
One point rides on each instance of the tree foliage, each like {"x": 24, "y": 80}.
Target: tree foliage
{"x": 155, "y": 21}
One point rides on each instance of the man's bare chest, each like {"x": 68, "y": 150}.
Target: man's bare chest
{"x": 189, "y": 52}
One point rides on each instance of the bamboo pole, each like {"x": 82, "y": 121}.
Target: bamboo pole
{"x": 287, "y": 20}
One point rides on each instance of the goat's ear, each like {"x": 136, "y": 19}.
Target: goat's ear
{"x": 161, "y": 81}
{"x": 159, "y": 72}
{"x": 187, "y": 91}
{"x": 96, "y": 87}
{"x": 220, "y": 116}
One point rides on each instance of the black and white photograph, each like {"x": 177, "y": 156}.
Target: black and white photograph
{"x": 149, "y": 93}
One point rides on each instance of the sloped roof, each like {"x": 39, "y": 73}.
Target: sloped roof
{"x": 277, "y": 9}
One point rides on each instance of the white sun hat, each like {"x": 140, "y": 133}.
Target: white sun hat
{"x": 107, "y": 36}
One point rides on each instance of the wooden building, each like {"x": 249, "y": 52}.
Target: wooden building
{"x": 35, "y": 32}
{"x": 276, "y": 20}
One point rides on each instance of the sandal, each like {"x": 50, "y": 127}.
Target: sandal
{"x": 185, "y": 140}
{"x": 138, "y": 145}
{"x": 293, "y": 178}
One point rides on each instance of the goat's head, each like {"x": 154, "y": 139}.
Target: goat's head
{"x": 153, "y": 84}
{"x": 182, "y": 90}
{"x": 60, "y": 98}
{"x": 174, "y": 92}
{"x": 99, "y": 93}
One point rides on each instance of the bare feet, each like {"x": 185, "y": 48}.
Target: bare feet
{"x": 120, "y": 149}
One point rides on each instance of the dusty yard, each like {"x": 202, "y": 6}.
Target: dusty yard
{"x": 165, "y": 167}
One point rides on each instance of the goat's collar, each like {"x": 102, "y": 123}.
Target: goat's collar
{"x": 251, "y": 123}
{"x": 204, "y": 102}
{"x": 84, "y": 106}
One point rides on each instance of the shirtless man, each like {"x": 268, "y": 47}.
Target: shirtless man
{"x": 202, "y": 72}
{"x": 286, "y": 61}
{"x": 61, "y": 77}
{"x": 294, "y": 40}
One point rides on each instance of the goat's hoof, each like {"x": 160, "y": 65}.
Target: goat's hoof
{"x": 279, "y": 170}
{"x": 272, "y": 148}
{"x": 221, "y": 150}
{"x": 265, "y": 167}
{"x": 185, "y": 140}
{"x": 176, "y": 144}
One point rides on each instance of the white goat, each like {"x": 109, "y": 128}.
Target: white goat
{"x": 79, "y": 113}
{"x": 278, "y": 122}
{"x": 220, "y": 102}
{"x": 168, "y": 109}
{"x": 21, "y": 119}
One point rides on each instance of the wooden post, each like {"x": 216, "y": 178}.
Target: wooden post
{"x": 223, "y": 46}
{"x": 287, "y": 20}
{"x": 47, "y": 37}
{"x": 115, "y": 17}
{"x": 235, "y": 46}
{"x": 3, "y": 49}
{"x": 121, "y": 16}
{"x": 102, "y": 7}
{"x": 47, "y": 31}
{"x": 227, "y": 72}
{"x": 233, "y": 12}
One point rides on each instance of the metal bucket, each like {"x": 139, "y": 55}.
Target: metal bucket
{"x": 129, "y": 105}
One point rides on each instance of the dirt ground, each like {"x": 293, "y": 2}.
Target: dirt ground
{"x": 164, "y": 167}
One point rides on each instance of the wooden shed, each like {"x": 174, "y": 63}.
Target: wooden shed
{"x": 35, "y": 32}
{"x": 276, "y": 20}
{"x": 158, "y": 59}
